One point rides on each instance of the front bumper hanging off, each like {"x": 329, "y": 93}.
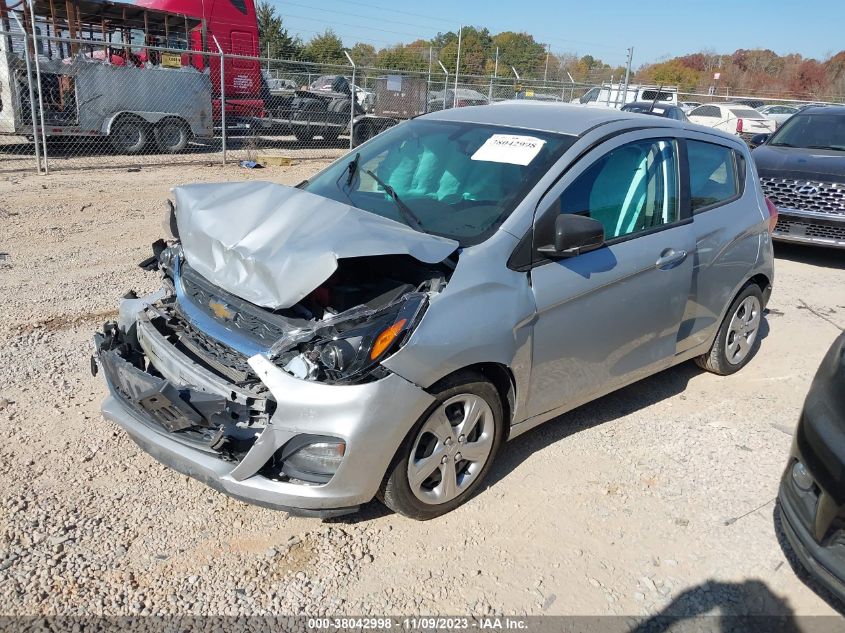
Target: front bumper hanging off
{"x": 177, "y": 411}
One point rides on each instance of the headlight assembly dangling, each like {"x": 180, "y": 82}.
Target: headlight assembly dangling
{"x": 350, "y": 350}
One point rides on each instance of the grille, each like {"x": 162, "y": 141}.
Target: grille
{"x": 262, "y": 326}
{"x": 805, "y": 229}
{"x": 805, "y": 195}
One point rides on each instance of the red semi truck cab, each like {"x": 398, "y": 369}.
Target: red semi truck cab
{"x": 233, "y": 24}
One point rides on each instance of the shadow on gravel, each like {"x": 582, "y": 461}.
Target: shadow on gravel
{"x": 743, "y": 606}
{"x": 800, "y": 571}
{"x": 813, "y": 255}
{"x": 646, "y": 392}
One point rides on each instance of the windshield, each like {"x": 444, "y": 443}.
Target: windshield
{"x": 460, "y": 180}
{"x": 812, "y": 131}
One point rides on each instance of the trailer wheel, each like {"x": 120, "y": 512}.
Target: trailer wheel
{"x": 361, "y": 133}
{"x": 303, "y": 135}
{"x": 128, "y": 135}
{"x": 172, "y": 135}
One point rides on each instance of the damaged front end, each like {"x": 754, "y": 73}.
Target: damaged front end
{"x": 288, "y": 407}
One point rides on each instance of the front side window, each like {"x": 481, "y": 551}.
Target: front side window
{"x": 457, "y": 179}
{"x": 712, "y": 171}
{"x": 631, "y": 188}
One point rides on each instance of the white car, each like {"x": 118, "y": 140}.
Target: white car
{"x": 688, "y": 106}
{"x": 778, "y": 113}
{"x": 733, "y": 118}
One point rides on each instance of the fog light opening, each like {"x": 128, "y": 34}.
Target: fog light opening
{"x": 802, "y": 477}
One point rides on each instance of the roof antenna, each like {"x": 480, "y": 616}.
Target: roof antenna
{"x": 656, "y": 95}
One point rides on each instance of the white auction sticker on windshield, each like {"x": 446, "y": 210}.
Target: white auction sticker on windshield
{"x": 514, "y": 149}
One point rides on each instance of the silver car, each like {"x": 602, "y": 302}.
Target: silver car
{"x": 381, "y": 329}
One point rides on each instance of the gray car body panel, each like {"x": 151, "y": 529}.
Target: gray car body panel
{"x": 272, "y": 245}
{"x": 567, "y": 331}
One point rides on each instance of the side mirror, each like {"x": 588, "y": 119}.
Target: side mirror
{"x": 758, "y": 139}
{"x": 574, "y": 234}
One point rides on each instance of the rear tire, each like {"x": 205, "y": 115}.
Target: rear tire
{"x": 172, "y": 136}
{"x": 738, "y": 337}
{"x": 129, "y": 136}
{"x": 449, "y": 451}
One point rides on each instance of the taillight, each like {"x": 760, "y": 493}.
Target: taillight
{"x": 739, "y": 126}
{"x": 460, "y": 103}
{"x": 773, "y": 214}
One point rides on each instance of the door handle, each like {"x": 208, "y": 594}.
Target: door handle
{"x": 670, "y": 258}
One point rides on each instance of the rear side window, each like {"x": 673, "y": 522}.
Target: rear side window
{"x": 712, "y": 174}
{"x": 706, "y": 110}
{"x": 649, "y": 95}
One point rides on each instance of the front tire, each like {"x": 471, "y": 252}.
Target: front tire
{"x": 447, "y": 454}
{"x": 739, "y": 335}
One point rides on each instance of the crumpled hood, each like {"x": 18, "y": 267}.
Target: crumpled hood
{"x": 272, "y": 245}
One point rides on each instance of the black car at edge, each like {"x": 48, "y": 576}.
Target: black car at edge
{"x": 802, "y": 170}
{"x": 812, "y": 490}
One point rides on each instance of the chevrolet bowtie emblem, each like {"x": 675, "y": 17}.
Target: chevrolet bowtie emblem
{"x": 221, "y": 310}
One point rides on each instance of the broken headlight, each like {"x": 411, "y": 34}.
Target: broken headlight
{"x": 349, "y": 350}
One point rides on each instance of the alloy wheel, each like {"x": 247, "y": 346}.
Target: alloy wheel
{"x": 743, "y": 329}
{"x": 451, "y": 449}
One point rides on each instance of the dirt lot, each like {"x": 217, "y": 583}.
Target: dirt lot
{"x": 657, "y": 497}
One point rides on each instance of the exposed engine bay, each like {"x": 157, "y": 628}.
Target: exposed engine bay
{"x": 336, "y": 334}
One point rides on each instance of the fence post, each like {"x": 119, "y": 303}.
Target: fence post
{"x": 31, "y": 93}
{"x": 222, "y": 94}
{"x": 445, "y": 82}
{"x": 38, "y": 84}
{"x": 351, "y": 102}
{"x": 458, "y": 62}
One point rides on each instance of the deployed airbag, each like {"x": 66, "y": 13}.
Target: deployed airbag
{"x": 272, "y": 245}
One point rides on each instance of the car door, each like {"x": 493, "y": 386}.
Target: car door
{"x": 610, "y": 316}
{"x": 729, "y": 226}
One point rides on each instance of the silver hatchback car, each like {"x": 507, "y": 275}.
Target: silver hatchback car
{"x": 381, "y": 329}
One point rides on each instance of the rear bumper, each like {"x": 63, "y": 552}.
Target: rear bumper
{"x": 807, "y": 227}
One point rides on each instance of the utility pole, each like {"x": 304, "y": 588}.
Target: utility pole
{"x": 495, "y": 73}
{"x": 628, "y": 73}
{"x": 458, "y": 61}
{"x": 546, "y": 69}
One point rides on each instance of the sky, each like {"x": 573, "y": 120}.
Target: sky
{"x": 601, "y": 28}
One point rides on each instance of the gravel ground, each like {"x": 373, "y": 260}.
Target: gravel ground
{"x": 658, "y": 498}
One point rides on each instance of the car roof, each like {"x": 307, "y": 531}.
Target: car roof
{"x": 825, "y": 109}
{"x": 647, "y": 104}
{"x": 561, "y": 118}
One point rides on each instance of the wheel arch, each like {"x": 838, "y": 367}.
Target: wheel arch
{"x": 500, "y": 376}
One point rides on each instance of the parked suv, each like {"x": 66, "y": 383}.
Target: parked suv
{"x": 382, "y": 329}
{"x": 802, "y": 170}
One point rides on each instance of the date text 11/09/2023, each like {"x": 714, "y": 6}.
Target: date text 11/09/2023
{"x": 417, "y": 623}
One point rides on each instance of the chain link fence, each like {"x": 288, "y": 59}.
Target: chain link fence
{"x": 136, "y": 90}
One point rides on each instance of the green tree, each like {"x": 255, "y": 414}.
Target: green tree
{"x": 326, "y": 48}
{"x": 364, "y": 54}
{"x": 273, "y": 37}
{"x": 520, "y": 51}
